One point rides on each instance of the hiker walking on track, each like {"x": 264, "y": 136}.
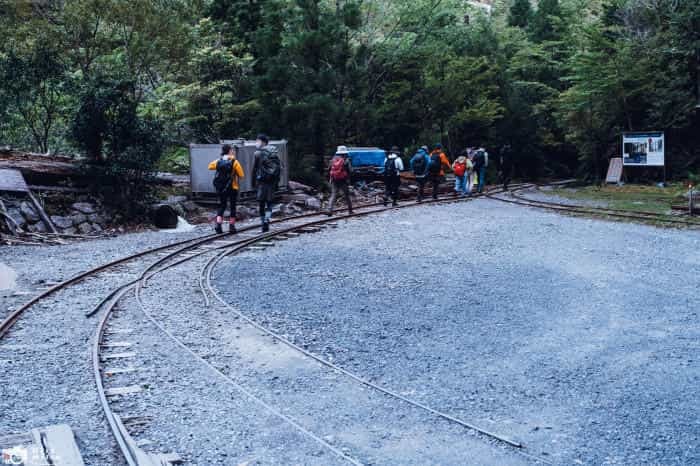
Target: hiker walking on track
{"x": 226, "y": 182}
{"x": 461, "y": 168}
{"x": 419, "y": 166}
{"x": 267, "y": 169}
{"x": 506, "y": 165}
{"x": 393, "y": 165}
{"x": 481, "y": 161}
{"x": 340, "y": 173}
{"x": 436, "y": 169}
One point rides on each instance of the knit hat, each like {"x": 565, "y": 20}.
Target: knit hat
{"x": 342, "y": 150}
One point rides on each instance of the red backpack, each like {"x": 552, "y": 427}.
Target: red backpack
{"x": 460, "y": 168}
{"x": 338, "y": 171}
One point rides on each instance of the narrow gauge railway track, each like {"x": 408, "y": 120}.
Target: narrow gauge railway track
{"x": 294, "y": 228}
{"x": 177, "y": 253}
{"x": 518, "y": 198}
{"x": 187, "y": 253}
{"x": 184, "y": 245}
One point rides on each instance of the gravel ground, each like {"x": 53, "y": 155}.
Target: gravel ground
{"x": 577, "y": 336}
{"x": 225, "y": 428}
{"x": 35, "y": 268}
{"x": 45, "y": 359}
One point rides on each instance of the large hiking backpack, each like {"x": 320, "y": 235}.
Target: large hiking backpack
{"x": 338, "y": 171}
{"x": 480, "y": 160}
{"x": 270, "y": 165}
{"x": 420, "y": 166}
{"x": 460, "y": 168}
{"x": 224, "y": 174}
{"x": 390, "y": 170}
{"x": 435, "y": 164}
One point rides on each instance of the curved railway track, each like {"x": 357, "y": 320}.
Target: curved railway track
{"x": 221, "y": 246}
{"x": 518, "y": 199}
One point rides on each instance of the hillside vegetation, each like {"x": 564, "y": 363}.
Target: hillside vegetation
{"x": 122, "y": 83}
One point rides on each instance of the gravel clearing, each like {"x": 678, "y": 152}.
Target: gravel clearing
{"x": 46, "y": 356}
{"x": 38, "y": 267}
{"x": 368, "y": 426}
{"x": 577, "y": 336}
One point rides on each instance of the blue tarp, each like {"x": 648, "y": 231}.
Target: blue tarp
{"x": 367, "y": 157}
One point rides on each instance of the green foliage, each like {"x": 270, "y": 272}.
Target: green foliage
{"x": 520, "y": 13}
{"x": 123, "y": 146}
{"x": 121, "y": 82}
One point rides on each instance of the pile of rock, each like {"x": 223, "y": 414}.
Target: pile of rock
{"x": 82, "y": 218}
{"x": 300, "y": 198}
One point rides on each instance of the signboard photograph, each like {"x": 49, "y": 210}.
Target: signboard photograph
{"x": 643, "y": 149}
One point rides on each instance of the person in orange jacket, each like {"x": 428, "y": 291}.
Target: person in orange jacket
{"x": 436, "y": 170}
{"x": 226, "y": 181}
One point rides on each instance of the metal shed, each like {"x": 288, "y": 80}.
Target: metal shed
{"x": 201, "y": 154}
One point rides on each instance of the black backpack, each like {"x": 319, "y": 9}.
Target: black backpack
{"x": 480, "y": 160}
{"x": 390, "y": 170}
{"x": 224, "y": 173}
{"x": 435, "y": 164}
{"x": 270, "y": 165}
{"x": 420, "y": 166}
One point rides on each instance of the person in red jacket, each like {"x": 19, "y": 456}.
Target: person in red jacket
{"x": 340, "y": 173}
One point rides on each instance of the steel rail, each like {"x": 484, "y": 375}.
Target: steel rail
{"x": 97, "y": 373}
{"x": 208, "y": 288}
{"x": 591, "y": 211}
{"x": 114, "y": 297}
{"x": 241, "y": 389}
{"x": 10, "y": 320}
{"x": 111, "y": 301}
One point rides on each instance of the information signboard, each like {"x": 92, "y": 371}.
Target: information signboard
{"x": 643, "y": 149}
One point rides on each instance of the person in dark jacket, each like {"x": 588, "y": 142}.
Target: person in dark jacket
{"x": 506, "y": 165}
{"x": 340, "y": 173}
{"x": 420, "y": 164}
{"x": 438, "y": 163}
{"x": 393, "y": 166}
{"x": 480, "y": 164}
{"x": 266, "y": 177}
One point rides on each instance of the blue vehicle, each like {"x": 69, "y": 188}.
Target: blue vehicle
{"x": 367, "y": 160}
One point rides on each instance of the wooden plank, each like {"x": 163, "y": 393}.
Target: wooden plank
{"x": 10, "y": 224}
{"x": 12, "y": 180}
{"x": 119, "y": 370}
{"x": 118, "y": 355}
{"x": 60, "y": 447}
{"x": 614, "y": 170}
{"x": 116, "y": 344}
{"x": 123, "y": 390}
{"x": 40, "y": 210}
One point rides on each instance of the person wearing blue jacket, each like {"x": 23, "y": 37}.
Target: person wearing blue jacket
{"x": 419, "y": 166}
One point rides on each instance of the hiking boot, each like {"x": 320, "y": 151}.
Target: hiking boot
{"x": 232, "y": 228}
{"x": 265, "y": 227}
{"x": 394, "y": 204}
{"x": 329, "y": 213}
{"x": 218, "y": 229}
